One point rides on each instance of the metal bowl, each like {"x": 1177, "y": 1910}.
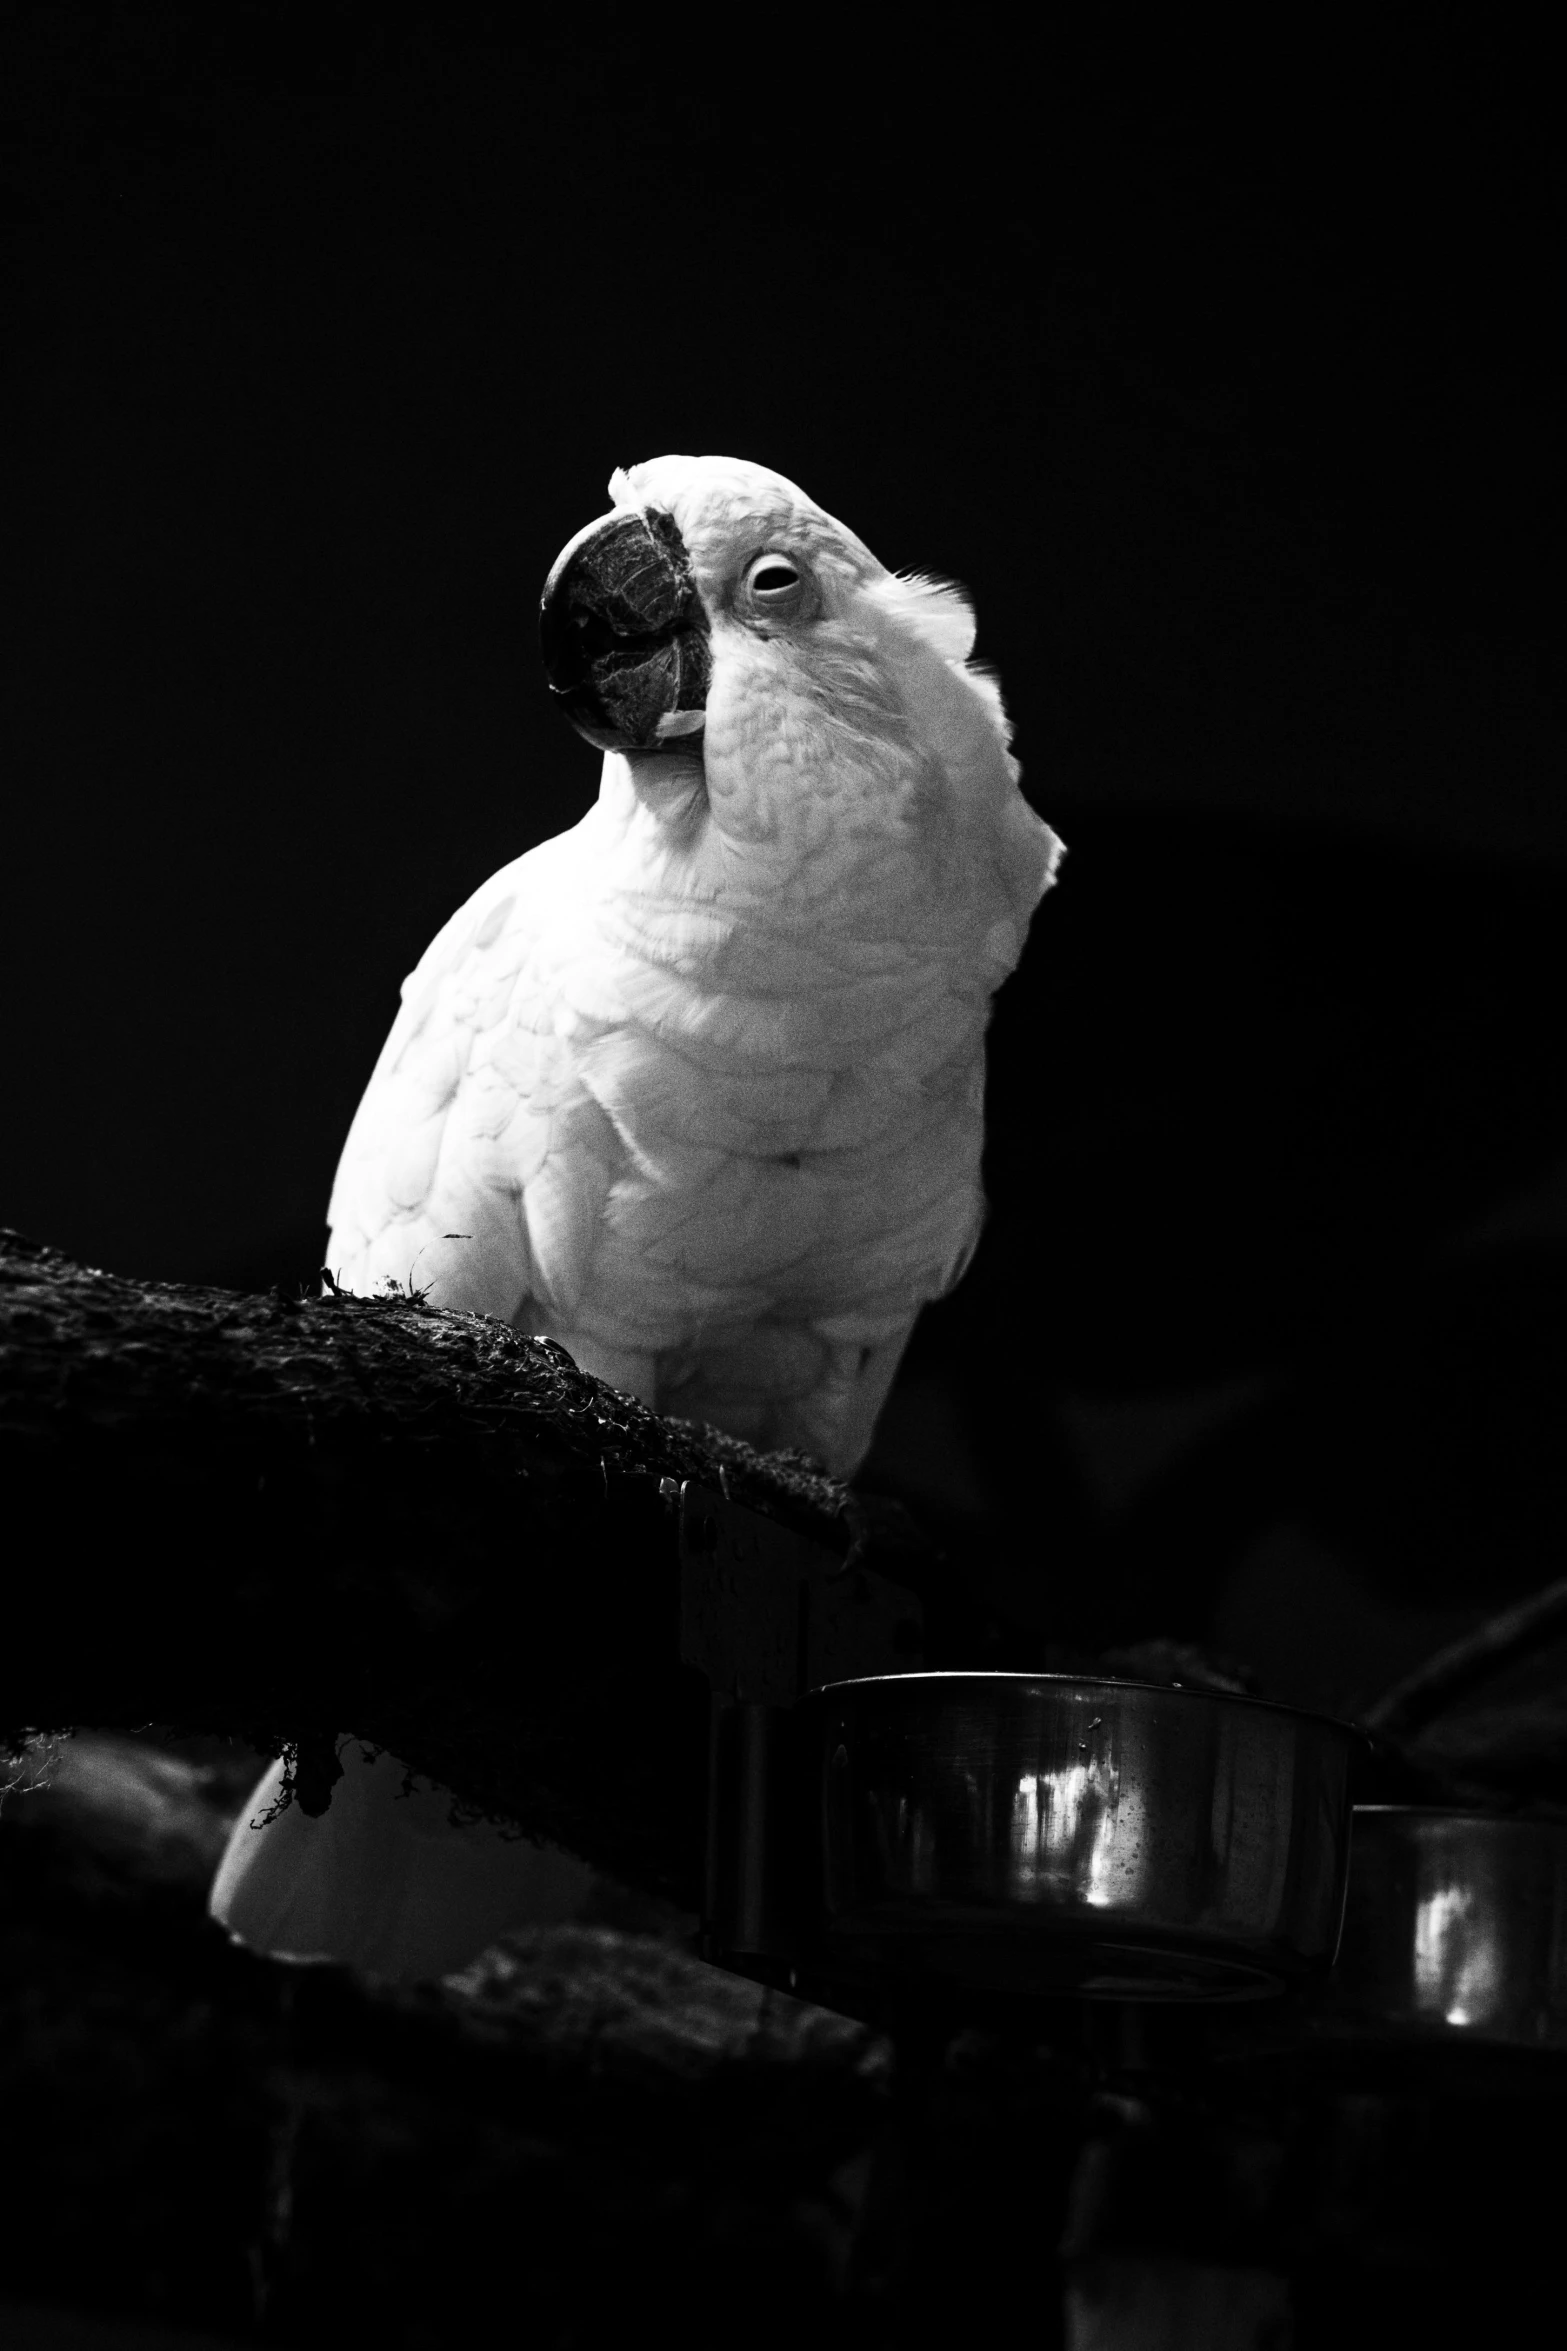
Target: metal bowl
{"x": 1455, "y": 1930}
{"x": 1052, "y": 1833}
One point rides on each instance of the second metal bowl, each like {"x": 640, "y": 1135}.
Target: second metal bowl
{"x": 1455, "y": 1932}
{"x": 1050, "y": 1833}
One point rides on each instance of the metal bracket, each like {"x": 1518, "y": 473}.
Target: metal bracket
{"x": 766, "y": 1616}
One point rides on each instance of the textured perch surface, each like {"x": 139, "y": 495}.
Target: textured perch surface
{"x": 287, "y": 1518}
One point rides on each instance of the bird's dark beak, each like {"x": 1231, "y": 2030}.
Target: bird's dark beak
{"x": 625, "y": 637}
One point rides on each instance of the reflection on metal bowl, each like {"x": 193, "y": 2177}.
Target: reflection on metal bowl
{"x": 1050, "y": 1833}
{"x": 1455, "y": 1929}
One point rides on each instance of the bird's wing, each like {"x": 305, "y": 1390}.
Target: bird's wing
{"x": 477, "y": 1165}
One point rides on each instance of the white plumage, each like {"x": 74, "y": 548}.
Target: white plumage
{"x": 696, "y": 1088}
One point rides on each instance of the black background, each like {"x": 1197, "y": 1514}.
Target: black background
{"x": 1223, "y": 375}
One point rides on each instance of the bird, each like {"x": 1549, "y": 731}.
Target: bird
{"x": 695, "y": 1089}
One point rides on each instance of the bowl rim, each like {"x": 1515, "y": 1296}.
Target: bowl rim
{"x": 1105, "y": 1681}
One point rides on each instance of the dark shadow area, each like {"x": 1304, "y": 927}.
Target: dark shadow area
{"x": 1278, "y": 1235}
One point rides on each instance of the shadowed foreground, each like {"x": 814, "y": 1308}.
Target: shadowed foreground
{"x": 256, "y": 1521}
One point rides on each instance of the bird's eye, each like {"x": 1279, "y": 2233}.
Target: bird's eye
{"x": 775, "y": 588}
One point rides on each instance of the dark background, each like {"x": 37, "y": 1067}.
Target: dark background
{"x": 1225, "y": 379}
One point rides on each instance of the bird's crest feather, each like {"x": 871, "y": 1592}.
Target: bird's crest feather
{"x": 936, "y": 610}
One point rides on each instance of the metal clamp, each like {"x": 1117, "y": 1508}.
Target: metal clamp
{"x": 766, "y": 1615}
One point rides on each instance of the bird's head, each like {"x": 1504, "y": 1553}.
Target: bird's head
{"x": 718, "y": 611}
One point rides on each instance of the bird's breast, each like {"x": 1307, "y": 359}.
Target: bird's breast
{"x": 730, "y": 1058}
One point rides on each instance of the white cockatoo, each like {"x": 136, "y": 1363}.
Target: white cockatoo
{"x": 696, "y": 1088}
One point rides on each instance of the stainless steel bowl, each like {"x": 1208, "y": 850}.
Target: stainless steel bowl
{"x": 1050, "y": 1833}
{"x": 1455, "y": 1930}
